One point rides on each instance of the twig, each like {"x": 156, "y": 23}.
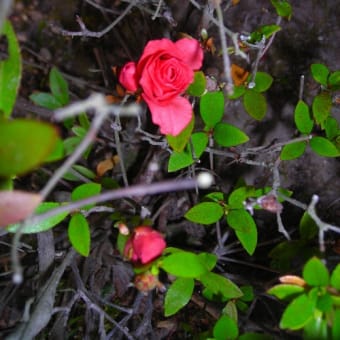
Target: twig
{"x": 302, "y": 84}
{"x": 160, "y": 2}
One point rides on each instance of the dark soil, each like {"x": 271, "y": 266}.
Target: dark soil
{"x": 94, "y": 296}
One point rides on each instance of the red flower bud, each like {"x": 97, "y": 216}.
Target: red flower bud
{"x": 144, "y": 245}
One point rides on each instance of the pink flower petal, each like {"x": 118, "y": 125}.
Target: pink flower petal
{"x": 191, "y": 52}
{"x": 128, "y": 77}
{"x": 172, "y": 116}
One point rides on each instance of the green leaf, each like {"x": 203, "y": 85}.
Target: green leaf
{"x": 334, "y": 81}
{"x": 331, "y": 128}
{"x": 225, "y": 328}
{"x": 179, "y": 142}
{"x": 178, "y": 295}
{"x": 220, "y": 285}
{"x": 321, "y": 107}
{"x": 263, "y": 81}
{"x": 248, "y": 293}
{"x": 205, "y": 213}
{"x": 199, "y": 141}
{"x": 10, "y": 72}
{"x": 197, "y": 87}
{"x": 25, "y": 144}
{"x": 57, "y": 153}
{"x": 59, "y": 86}
{"x": 302, "y": 118}
{"x": 255, "y": 336}
{"x": 208, "y": 259}
{"x": 263, "y": 31}
{"x": 228, "y": 135}
{"x": 285, "y": 291}
{"x": 239, "y": 195}
{"x": 179, "y": 160}
{"x": 324, "y": 303}
{"x": 335, "y": 278}
{"x": 79, "y": 234}
{"x": 293, "y": 151}
{"x": 45, "y": 100}
{"x": 230, "y": 309}
{"x": 212, "y": 108}
{"x": 297, "y": 313}
{"x": 283, "y": 8}
{"x": 245, "y": 228}
{"x": 316, "y": 328}
{"x": 320, "y": 73}
{"x": 184, "y": 264}
{"x": 315, "y": 273}
{"x": 84, "y": 191}
{"x": 323, "y": 147}
{"x": 70, "y": 176}
{"x": 238, "y": 92}
{"x": 336, "y": 324}
{"x": 255, "y": 104}
{"x": 44, "y": 225}
{"x": 308, "y": 228}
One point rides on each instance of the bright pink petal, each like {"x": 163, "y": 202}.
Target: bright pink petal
{"x": 172, "y": 116}
{"x": 191, "y": 52}
{"x": 128, "y": 77}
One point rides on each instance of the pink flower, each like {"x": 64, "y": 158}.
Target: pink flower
{"x": 164, "y": 72}
{"x": 145, "y": 245}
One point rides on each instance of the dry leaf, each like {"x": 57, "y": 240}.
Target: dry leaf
{"x": 238, "y": 74}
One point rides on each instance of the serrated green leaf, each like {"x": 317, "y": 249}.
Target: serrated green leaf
{"x": 335, "y": 278}
{"x": 10, "y": 72}
{"x": 225, "y": 328}
{"x": 298, "y": 313}
{"x": 183, "y": 264}
{"x": 178, "y": 295}
{"x": 212, "y": 108}
{"x": 245, "y": 228}
{"x": 283, "y": 8}
{"x": 255, "y": 104}
{"x": 205, "y": 213}
{"x": 197, "y": 87}
{"x": 315, "y": 273}
{"x": 46, "y": 100}
{"x": 79, "y": 234}
{"x": 323, "y": 147}
{"x": 59, "y": 86}
{"x": 44, "y": 225}
{"x": 263, "y": 81}
{"x": 179, "y": 142}
{"x": 302, "y": 118}
{"x": 220, "y": 285}
{"x": 285, "y": 291}
{"x": 320, "y": 73}
{"x": 321, "y": 107}
{"x": 293, "y": 151}
{"x": 84, "y": 191}
{"x": 228, "y": 135}
{"x": 334, "y": 81}
{"x": 25, "y": 144}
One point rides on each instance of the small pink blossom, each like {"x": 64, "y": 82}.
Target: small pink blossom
{"x": 145, "y": 245}
{"x": 163, "y": 73}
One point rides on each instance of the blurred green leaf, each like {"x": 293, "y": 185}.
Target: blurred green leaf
{"x": 25, "y": 144}
{"x": 245, "y": 228}
{"x": 331, "y": 128}
{"x": 79, "y": 234}
{"x": 293, "y": 151}
{"x": 57, "y": 153}
{"x": 59, "y": 86}
{"x": 285, "y": 291}
{"x": 255, "y": 104}
{"x": 335, "y": 278}
{"x": 315, "y": 272}
{"x": 183, "y": 264}
{"x": 230, "y": 309}
{"x": 248, "y": 293}
{"x": 302, "y": 118}
{"x": 238, "y": 92}
{"x": 321, "y": 107}
{"x": 225, "y": 328}
{"x": 178, "y": 295}
{"x": 264, "y": 31}
{"x": 44, "y": 225}
{"x": 179, "y": 142}
{"x": 316, "y": 329}
{"x": 283, "y": 8}
{"x": 320, "y": 73}
{"x": 239, "y": 195}
{"x": 324, "y": 303}
{"x": 255, "y": 336}
{"x": 323, "y": 147}
{"x": 334, "y": 81}
{"x": 263, "y": 81}
{"x": 208, "y": 259}
{"x": 197, "y": 87}
{"x": 82, "y": 170}
{"x": 336, "y": 324}
{"x": 308, "y": 228}
{"x": 297, "y": 313}
{"x": 84, "y": 191}
{"x": 10, "y": 72}
{"x": 45, "y": 100}
{"x": 205, "y": 213}
{"x": 228, "y": 135}
{"x": 212, "y": 108}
